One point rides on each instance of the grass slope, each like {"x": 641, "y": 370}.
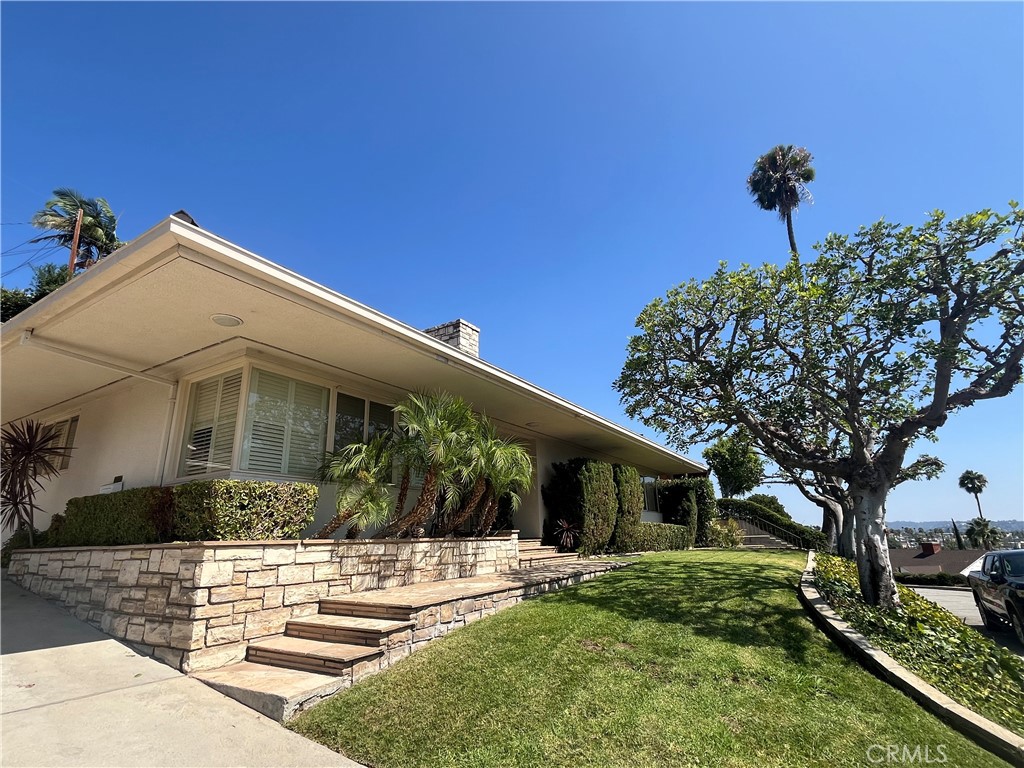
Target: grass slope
{"x": 699, "y": 658}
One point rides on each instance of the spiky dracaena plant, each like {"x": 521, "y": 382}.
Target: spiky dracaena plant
{"x": 363, "y": 473}
{"x": 30, "y": 452}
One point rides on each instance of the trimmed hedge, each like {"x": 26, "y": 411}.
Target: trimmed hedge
{"x": 228, "y": 510}
{"x": 582, "y": 491}
{"x": 673, "y": 499}
{"x": 135, "y": 516}
{"x": 941, "y": 579}
{"x": 660, "y": 537}
{"x": 770, "y": 502}
{"x": 630, "y": 494}
{"x": 745, "y": 510}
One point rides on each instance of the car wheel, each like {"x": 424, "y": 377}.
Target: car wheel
{"x": 989, "y": 619}
{"x": 1018, "y": 624}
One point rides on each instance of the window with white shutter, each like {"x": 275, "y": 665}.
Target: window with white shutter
{"x": 210, "y": 433}
{"x": 285, "y": 427}
{"x": 65, "y": 430}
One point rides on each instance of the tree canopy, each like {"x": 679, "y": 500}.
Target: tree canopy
{"x": 739, "y": 470}
{"x": 974, "y": 483}
{"x": 837, "y": 365}
{"x": 779, "y": 182}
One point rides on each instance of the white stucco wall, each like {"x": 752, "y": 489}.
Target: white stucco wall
{"x": 120, "y": 433}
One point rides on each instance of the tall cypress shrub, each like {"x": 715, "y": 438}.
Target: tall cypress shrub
{"x": 600, "y": 505}
{"x": 629, "y": 492}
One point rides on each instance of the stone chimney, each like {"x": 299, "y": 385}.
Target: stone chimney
{"x": 931, "y": 547}
{"x": 459, "y": 334}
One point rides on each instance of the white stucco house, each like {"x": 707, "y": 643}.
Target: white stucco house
{"x": 183, "y": 356}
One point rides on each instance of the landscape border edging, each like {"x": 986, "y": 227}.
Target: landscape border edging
{"x": 982, "y": 731}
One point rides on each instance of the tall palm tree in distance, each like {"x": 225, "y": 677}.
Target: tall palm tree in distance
{"x": 779, "y": 182}
{"x": 98, "y": 236}
{"x": 974, "y": 483}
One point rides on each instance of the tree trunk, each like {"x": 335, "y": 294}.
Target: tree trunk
{"x": 333, "y": 525}
{"x": 977, "y": 498}
{"x": 468, "y": 507}
{"x": 403, "y": 492}
{"x": 789, "y": 230}
{"x": 353, "y": 531}
{"x": 423, "y": 509}
{"x": 847, "y": 538}
{"x": 877, "y": 585}
{"x": 828, "y": 527}
{"x": 489, "y": 516}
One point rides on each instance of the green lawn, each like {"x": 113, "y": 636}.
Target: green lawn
{"x": 700, "y": 658}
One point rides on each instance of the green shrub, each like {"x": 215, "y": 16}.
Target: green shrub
{"x": 630, "y": 494}
{"x": 725, "y": 534}
{"x": 135, "y": 516}
{"x": 769, "y": 502}
{"x": 233, "y": 510}
{"x": 19, "y": 540}
{"x": 932, "y": 579}
{"x": 582, "y": 492}
{"x": 660, "y": 537}
{"x": 933, "y": 643}
{"x": 811, "y": 538}
{"x": 673, "y": 500}
{"x": 600, "y": 505}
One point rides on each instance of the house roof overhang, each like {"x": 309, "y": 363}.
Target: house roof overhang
{"x": 148, "y": 308}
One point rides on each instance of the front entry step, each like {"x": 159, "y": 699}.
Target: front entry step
{"x": 310, "y": 655}
{"x": 356, "y": 630}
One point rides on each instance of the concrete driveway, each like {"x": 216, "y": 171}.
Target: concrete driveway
{"x": 960, "y": 602}
{"x": 72, "y": 696}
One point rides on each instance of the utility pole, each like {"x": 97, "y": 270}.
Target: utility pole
{"x": 74, "y": 244}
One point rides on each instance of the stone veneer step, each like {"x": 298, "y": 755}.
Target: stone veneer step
{"x": 345, "y": 629}
{"x": 294, "y": 673}
{"x": 310, "y": 655}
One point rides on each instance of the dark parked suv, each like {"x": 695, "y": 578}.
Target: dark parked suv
{"x": 999, "y": 590}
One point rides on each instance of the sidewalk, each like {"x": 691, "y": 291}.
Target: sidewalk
{"x": 72, "y": 696}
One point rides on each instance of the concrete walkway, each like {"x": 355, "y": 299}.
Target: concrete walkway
{"x": 960, "y": 602}
{"x": 72, "y": 696}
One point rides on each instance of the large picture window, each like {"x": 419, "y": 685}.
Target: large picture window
{"x": 357, "y": 420}
{"x": 210, "y": 434}
{"x": 285, "y": 426}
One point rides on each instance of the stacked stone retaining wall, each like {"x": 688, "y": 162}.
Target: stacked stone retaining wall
{"x": 197, "y": 605}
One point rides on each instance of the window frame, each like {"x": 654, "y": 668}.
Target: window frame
{"x": 69, "y": 435}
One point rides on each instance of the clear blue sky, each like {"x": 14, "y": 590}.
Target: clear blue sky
{"x": 541, "y": 170}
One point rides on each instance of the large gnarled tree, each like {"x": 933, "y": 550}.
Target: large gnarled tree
{"x": 837, "y": 366}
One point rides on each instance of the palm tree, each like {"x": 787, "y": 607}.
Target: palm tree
{"x": 30, "y": 452}
{"x": 98, "y": 237}
{"x": 363, "y": 473}
{"x": 974, "y": 483}
{"x": 982, "y": 534}
{"x": 439, "y": 429}
{"x": 779, "y": 183}
{"x": 473, "y": 474}
{"x": 510, "y": 474}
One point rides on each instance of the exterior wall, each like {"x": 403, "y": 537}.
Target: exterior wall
{"x": 121, "y": 433}
{"x": 651, "y": 517}
{"x": 197, "y": 605}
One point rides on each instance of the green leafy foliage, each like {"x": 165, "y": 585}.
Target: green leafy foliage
{"x": 769, "y": 502}
{"x": 741, "y": 509}
{"x": 20, "y": 539}
{"x": 14, "y": 301}
{"x": 725, "y": 534}
{"x": 673, "y": 498}
{"x": 933, "y": 643}
{"x": 739, "y": 470}
{"x": 45, "y": 280}
{"x": 134, "y": 516}
{"x": 630, "y": 495}
{"x": 662, "y": 537}
{"x": 229, "y": 510}
{"x": 582, "y": 492}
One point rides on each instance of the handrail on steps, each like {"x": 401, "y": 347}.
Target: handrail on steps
{"x": 780, "y": 533}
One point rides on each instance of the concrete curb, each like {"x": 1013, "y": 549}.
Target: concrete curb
{"x": 982, "y": 731}
{"x": 932, "y": 586}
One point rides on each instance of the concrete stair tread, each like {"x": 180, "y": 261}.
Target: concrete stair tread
{"x": 314, "y": 649}
{"x": 382, "y": 626}
{"x": 277, "y": 692}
